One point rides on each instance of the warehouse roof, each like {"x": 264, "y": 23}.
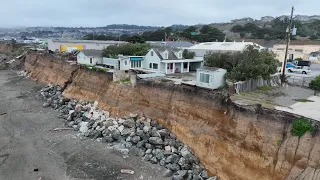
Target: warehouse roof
{"x": 87, "y": 41}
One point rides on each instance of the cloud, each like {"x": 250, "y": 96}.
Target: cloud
{"x": 142, "y": 12}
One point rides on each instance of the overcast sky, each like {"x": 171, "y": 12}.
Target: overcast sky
{"x": 87, "y": 13}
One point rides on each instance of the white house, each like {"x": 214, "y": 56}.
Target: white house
{"x": 314, "y": 56}
{"x": 90, "y": 57}
{"x": 211, "y": 77}
{"x": 203, "y": 48}
{"x": 131, "y": 62}
{"x": 170, "y": 61}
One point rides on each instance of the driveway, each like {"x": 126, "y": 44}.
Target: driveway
{"x": 30, "y": 151}
{"x": 307, "y": 109}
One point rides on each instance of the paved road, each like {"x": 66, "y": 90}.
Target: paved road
{"x": 27, "y": 144}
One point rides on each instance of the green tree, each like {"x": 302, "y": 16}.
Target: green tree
{"x": 313, "y": 37}
{"x": 242, "y": 35}
{"x": 138, "y": 49}
{"x": 237, "y": 28}
{"x": 298, "y": 59}
{"x": 249, "y": 64}
{"x": 205, "y": 29}
{"x": 187, "y": 54}
{"x": 136, "y": 39}
{"x": 315, "y": 85}
{"x": 168, "y": 30}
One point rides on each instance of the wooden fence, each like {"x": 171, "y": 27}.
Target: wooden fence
{"x": 253, "y": 84}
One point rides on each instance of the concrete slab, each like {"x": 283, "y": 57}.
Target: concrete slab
{"x": 306, "y": 109}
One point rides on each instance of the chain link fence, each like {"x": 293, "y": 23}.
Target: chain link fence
{"x": 298, "y": 80}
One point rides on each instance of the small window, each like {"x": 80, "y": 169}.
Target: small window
{"x": 180, "y": 55}
{"x": 125, "y": 63}
{"x": 151, "y": 53}
{"x": 90, "y": 60}
{"x": 204, "y": 78}
{"x": 150, "y": 65}
{"x": 155, "y": 66}
{"x": 165, "y": 55}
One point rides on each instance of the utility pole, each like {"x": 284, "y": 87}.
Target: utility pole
{"x": 165, "y": 35}
{"x": 289, "y": 29}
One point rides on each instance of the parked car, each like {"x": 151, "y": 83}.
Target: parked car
{"x": 300, "y": 69}
{"x": 290, "y": 66}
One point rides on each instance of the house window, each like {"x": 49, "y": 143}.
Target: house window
{"x": 90, "y": 60}
{"x": 165, "y": 55}
{"x": 155, "y": 66}
{"x": 150, "y": 65}
{"x": 151, "y": 53}
{"x": 135, "y": 64}
{"x": 204, "y": 78}
{"x": 180, "y": 55}
{"x": 125, "y": 62}
{"x": 185, "y": 65}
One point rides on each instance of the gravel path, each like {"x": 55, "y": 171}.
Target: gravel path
{"x": 29, "y": 150}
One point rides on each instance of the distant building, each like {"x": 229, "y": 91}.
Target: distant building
{"x": 203, "y": 48}
{"x": 267, "y": 18}
{"x": 243, "y": 20}
{"x": 301, "y": 18}
{"x": 211, "y": 77}
{"x": 314, "y": 56}
{"x": 89, "y": 57}
{"x": 297, "y": 49}
{"x": 171, "y": 44}
{"x": 70, "y": 45}
{"x": 170, "y": 61}
{"x": 306, "y": 18}
{"x": 283, "y": 17}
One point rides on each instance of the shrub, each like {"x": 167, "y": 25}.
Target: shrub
{"x": 300, "y": 126}
{"x": 163, "y": 80}
{"x": 315, "y": 85}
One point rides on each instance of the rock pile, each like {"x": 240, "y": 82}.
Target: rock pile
{"x": 144, "y": 136}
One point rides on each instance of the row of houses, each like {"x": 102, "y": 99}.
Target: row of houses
{"x": 157, "y": 61}
{"x": 307, "y": 50}
{"x": 164, "y": 60}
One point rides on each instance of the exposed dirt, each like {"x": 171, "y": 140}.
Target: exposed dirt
{"x": 232, "y": 142}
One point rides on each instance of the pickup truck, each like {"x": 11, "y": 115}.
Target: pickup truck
{"x": 300, "y": 69}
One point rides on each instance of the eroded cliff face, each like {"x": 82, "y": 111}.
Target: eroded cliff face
{"x": 232, "y": 142}
{"x": 45, "y": 68}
